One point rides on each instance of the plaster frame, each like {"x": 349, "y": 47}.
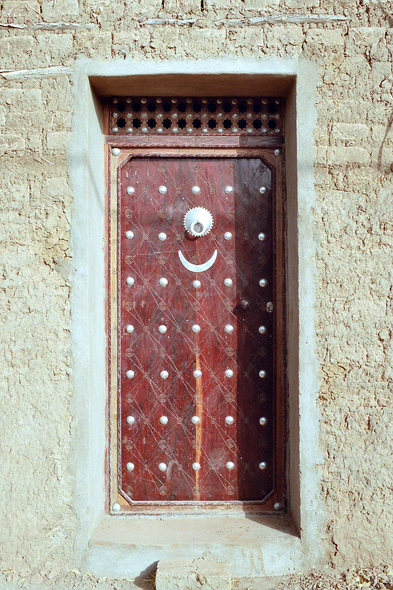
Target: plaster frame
{"x": 104, "y": 544}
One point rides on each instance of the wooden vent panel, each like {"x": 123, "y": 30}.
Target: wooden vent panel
{"x": 196, "y": 116}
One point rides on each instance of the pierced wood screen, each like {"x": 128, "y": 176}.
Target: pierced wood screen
{"x": 196, "y": 116}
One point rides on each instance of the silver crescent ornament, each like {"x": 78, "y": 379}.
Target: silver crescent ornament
{"x": 197, "y": 267}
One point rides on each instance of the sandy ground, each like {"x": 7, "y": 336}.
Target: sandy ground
{"x": 376, "y": 578}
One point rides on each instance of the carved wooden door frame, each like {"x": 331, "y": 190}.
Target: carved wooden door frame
{"x": 119, "y": 150}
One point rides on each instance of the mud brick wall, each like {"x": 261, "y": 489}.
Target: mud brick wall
{"x": 352, "y": 222}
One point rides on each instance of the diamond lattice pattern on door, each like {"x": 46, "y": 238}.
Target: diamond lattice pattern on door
{"x": 196, "y": 348}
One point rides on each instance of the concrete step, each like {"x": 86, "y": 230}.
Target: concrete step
{"x": 194, "y": 574}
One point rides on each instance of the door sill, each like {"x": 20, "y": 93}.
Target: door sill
{"x": 128, "y": 546}
{"x": 166, "y": 509}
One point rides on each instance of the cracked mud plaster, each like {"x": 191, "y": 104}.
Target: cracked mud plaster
{"x": 353, "y": 228}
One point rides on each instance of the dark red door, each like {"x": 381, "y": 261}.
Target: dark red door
{"x": 196, "y": 344}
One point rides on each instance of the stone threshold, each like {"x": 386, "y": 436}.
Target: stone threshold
{"x": 131, "y": 546}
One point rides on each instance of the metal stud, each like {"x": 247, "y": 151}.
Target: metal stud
{"x": 196, "y": 466}
{"x": 196, "y": 284}
{"x": 164, "y": 374}
{"x": 130, "y": 466}
{"x": 244, "y": 304}
{"x": 164, "y": 420}
{"x": 116, "y": 507}
{"x": 195, "y": 190}
{"x": 195, "y": 420}
{"x": 276, "y": 152}
{"x": 229, "y": 420}
{"x": 229, "y": 329}
{"x": 227, "y": 235}
{"x": 129, "y": 234}
{"x": 269, "y": 306}
{"x": 277, "y": 506}
{"x": 228, "y": 282}
{"x": 130, "y": 190}
{"x": 115, "y": 129}
{"x": 130, "y": 281}
{"x": 163, "y": 282}
{"x": 262, "y": 465}
{"x": 130, "y": 374}
{"x": 228, "y": 189}
{"x": 196, "y": 329}
{"x": 263, "y": 283}
{"x": 263, "y": 421}
{"x": 230, "y": 465}
{"x": 261, "y": 236}
{"x": 197, "y": 373}
{"x": 162, "y": 190}
{"x": 229, "y": 373}
{"x": 262, "y": 190}
{"x": 130, "y": 420}
{"x": 162, "y": 236}
{"x": 262, "y": 329}
{"x": 129, "y": 329}
{"x": 162, "y": 329}
{"x": 262, "y": 374}
{"x": 115, "y": 151}
{"x": 162, "y": 466}
{"x": 144, "y": 129}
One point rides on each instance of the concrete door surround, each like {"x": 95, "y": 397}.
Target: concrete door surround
{"x": 124, "y": 546}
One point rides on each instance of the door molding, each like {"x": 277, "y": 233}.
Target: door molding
{"x": 274, "y": 159}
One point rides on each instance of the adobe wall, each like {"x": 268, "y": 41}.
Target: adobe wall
{"x": 353, "y": 230}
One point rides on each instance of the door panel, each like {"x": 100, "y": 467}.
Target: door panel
{"x": 204, "y": 437}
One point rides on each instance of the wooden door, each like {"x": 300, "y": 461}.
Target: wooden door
{"x": 197, "y": 351}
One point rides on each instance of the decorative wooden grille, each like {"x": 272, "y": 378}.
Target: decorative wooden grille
{"x": 196, "y": 116}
